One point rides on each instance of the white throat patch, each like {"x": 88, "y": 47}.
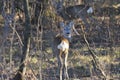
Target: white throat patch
{"x": 63, "y": 45}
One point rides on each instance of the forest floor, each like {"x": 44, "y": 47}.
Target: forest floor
{"x": 80, "y": 65}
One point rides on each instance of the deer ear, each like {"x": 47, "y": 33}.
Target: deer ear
{"x": 71, "y": 24}
{"x": 62, "y": 24}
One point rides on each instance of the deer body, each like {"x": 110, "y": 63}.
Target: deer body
{"x": 74, "y": 12}
{"x": 62, "y": 48}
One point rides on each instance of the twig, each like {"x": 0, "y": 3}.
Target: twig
{"x": 21, "y": 42}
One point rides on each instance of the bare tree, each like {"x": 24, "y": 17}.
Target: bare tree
{"x": 26, "y": 44}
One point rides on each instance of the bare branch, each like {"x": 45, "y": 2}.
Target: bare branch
{"x": 95, "y": 58}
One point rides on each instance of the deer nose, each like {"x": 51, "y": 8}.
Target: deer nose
{"x": 68, "y": 33}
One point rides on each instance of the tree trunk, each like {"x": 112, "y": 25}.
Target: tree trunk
{"x": 26, "y": 42}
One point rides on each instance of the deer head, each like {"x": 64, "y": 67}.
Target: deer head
{"x": 19, "y": 17}
{"x": 66, "y": 29}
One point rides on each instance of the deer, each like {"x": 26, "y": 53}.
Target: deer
{"x": 19, "y": 17}
{"x": 62, "y": 50}
{"x": 80, "y": 12}
{"x": 61, "y": 44}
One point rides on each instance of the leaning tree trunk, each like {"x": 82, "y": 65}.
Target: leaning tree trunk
{"x": 26, "y": 42}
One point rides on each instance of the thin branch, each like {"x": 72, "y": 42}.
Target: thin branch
{"x": 75, "y": 30}
{"x": 21, "y": 42}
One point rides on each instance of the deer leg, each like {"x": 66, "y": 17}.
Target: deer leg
{"x": 65, "y": 70}
{"x": 65, "y": 64}
{"x": 60, "y": 66}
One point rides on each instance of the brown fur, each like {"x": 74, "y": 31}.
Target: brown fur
{"x": 59, "y": 39}
{"x": 61, "y": 57}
